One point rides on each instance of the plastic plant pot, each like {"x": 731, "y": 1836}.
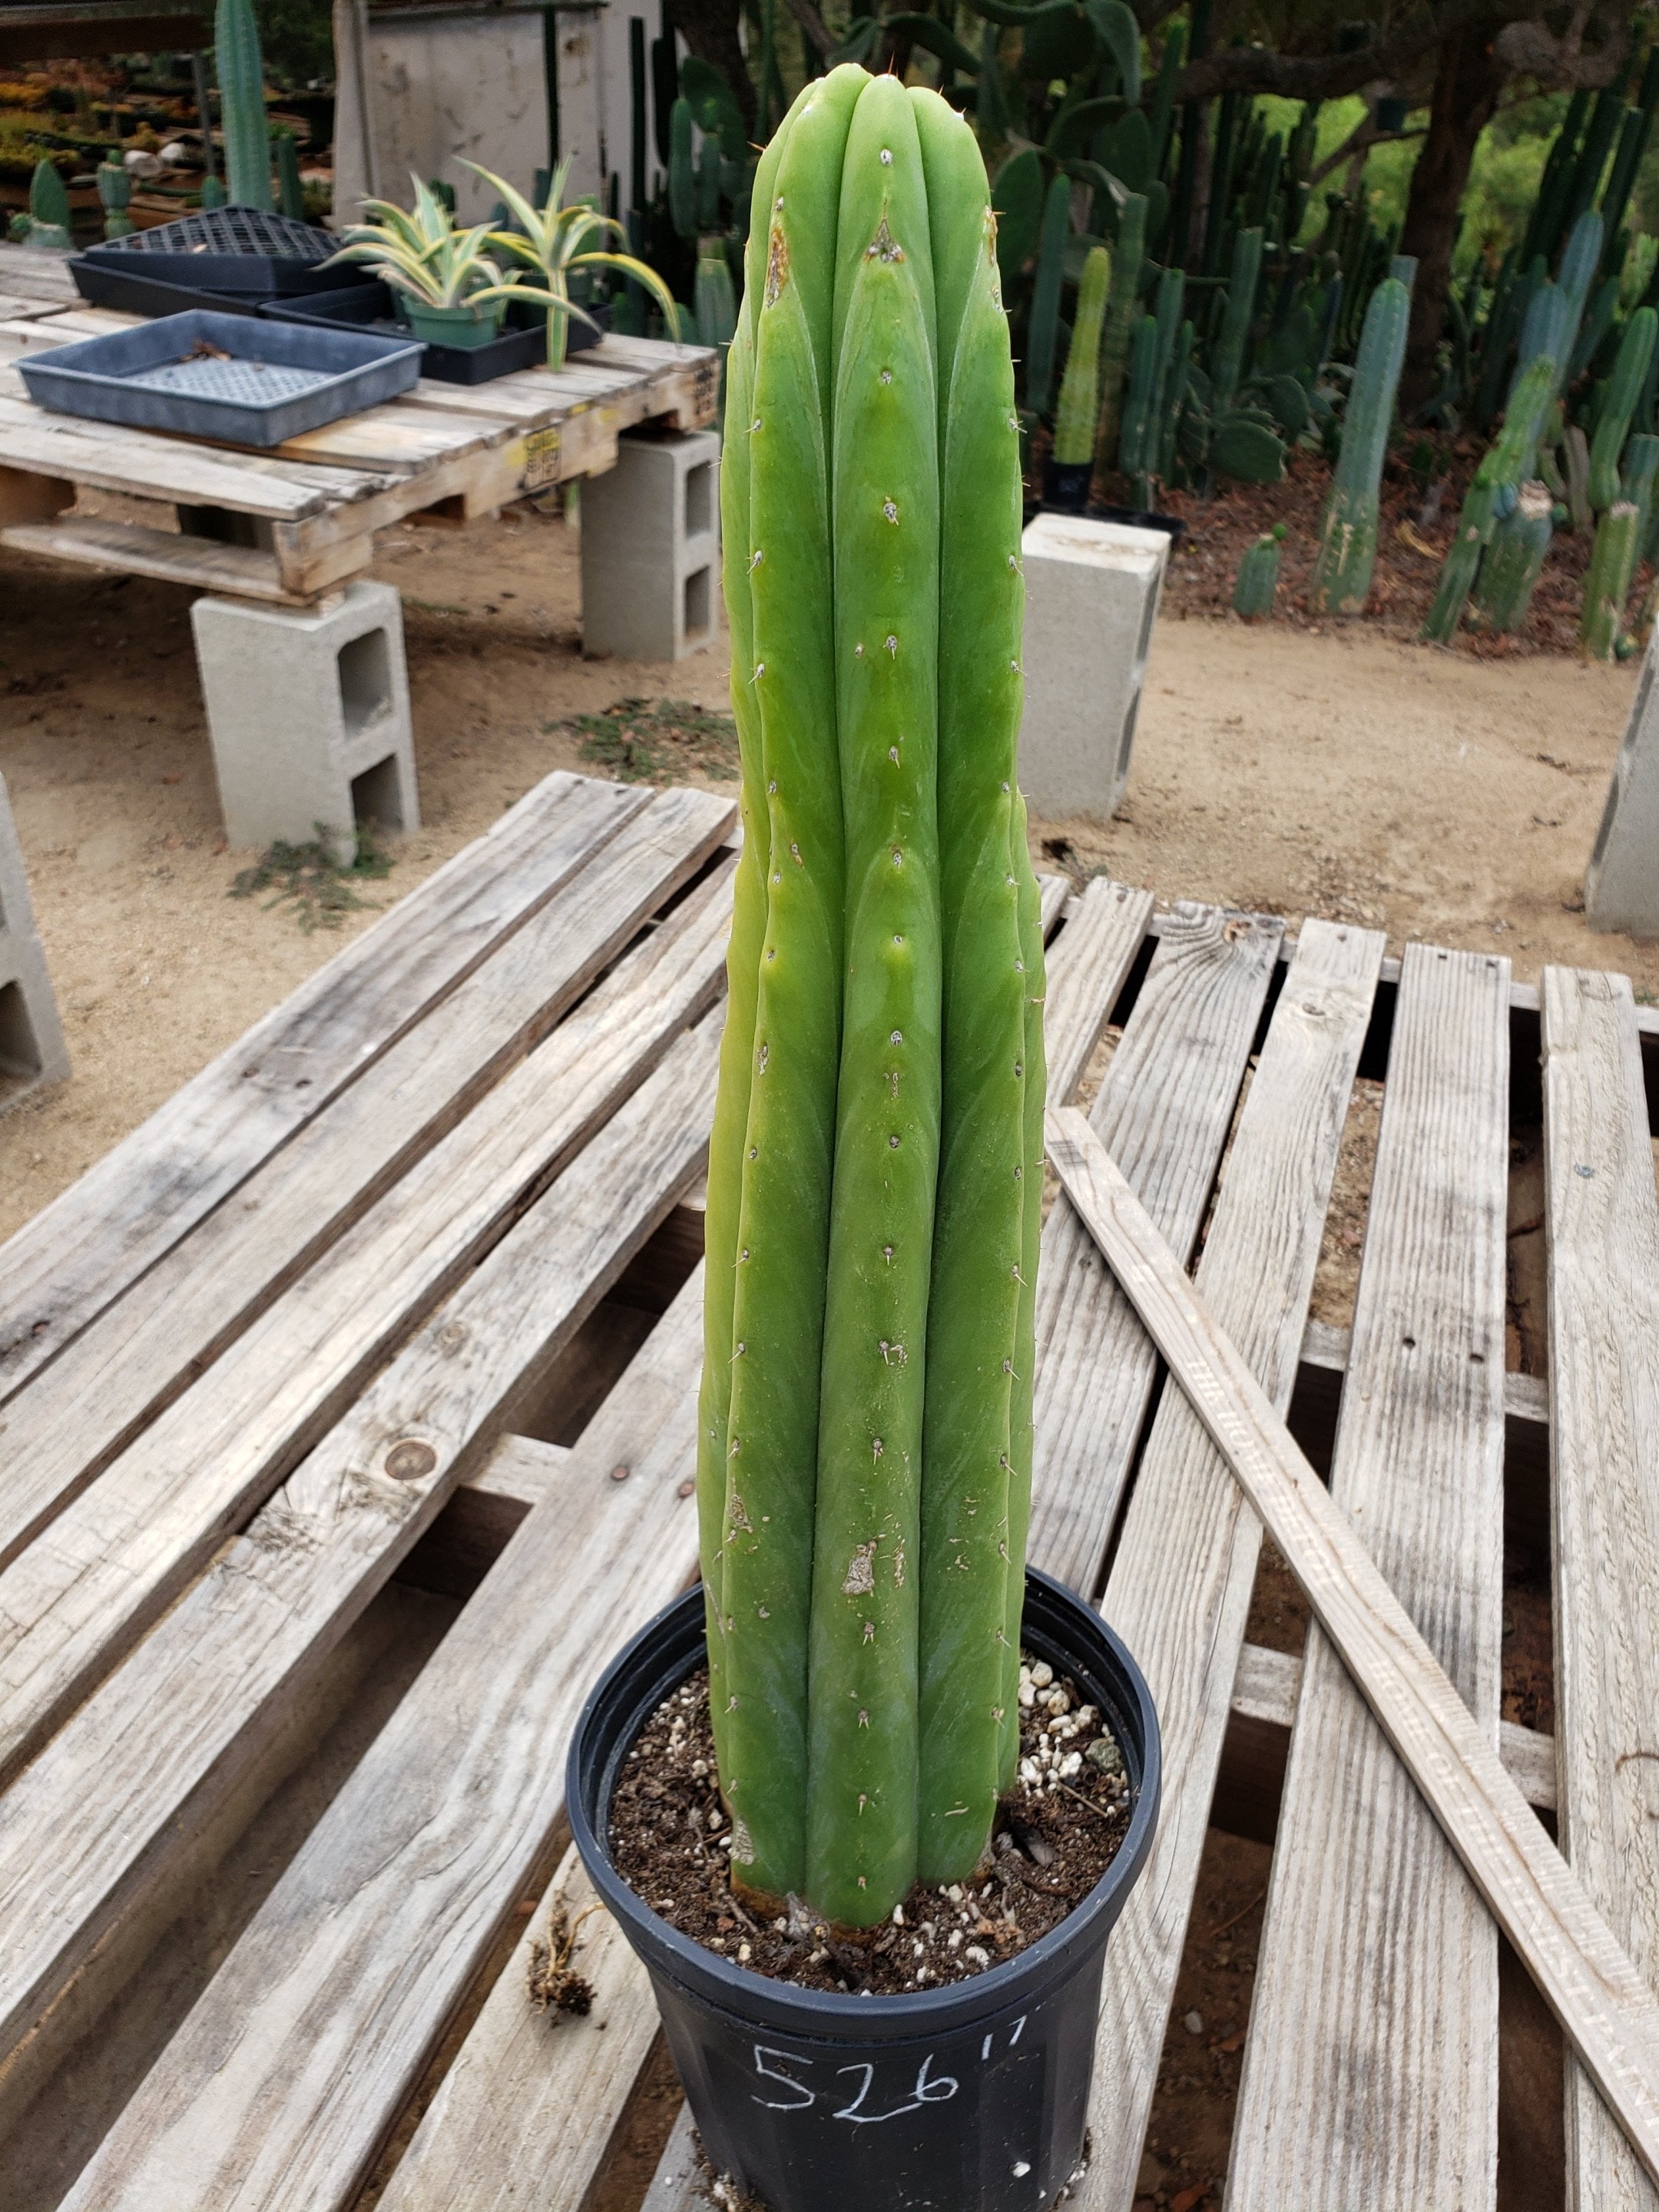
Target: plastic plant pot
{"x": 465, "y": 326}
{"x": 970, "y": 2098}
{"x": 1066, "y": 486}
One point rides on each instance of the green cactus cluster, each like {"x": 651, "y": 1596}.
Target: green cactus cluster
{"x": 874, "y": 1192}
{"x": 115, "y": 195}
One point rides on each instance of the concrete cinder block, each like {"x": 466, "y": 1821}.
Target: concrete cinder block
{"x": 32, "y": 1049}
{"x": 1091, "y": 594}
{"x": 1621, "y": 883}
{"x": 309, "y": 717}
{"x": 651, "y": 548}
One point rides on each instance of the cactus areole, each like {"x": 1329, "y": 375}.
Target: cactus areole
{"x": 874, "y": 1185}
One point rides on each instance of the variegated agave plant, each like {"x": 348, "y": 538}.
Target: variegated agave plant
{"x": 553, "y": 239}
{"x": 422, "y": 253}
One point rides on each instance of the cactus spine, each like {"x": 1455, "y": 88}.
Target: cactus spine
{"x": 1257, "y": 581}
{"x": 1074, "y": 419}
{"x": 242, "y": 105}
{"x": 862, "y": 1416}
{"x": 1347, "y": 542}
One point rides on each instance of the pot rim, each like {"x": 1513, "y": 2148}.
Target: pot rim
{"x": 741, "y": 1990}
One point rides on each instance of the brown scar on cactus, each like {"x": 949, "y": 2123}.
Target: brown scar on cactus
{"x": 777, "y": 266}
{"x": 861, "y": 1570}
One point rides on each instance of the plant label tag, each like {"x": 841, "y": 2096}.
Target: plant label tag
{"x": 541, "y": 458}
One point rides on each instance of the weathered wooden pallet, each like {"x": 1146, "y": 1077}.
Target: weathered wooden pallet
{"x": 346, "y": 1421}
{"x": 295, "y": 524}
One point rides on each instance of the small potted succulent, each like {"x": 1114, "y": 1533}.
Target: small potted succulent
{"x": 553, "y": 240}
{"x": 451, "y": 292}
{"x": 869, "y": 1803}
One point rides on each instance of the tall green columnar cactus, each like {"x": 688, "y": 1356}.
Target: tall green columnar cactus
{"x": 1347, "y": 540}
{"x": 1607, "y": 581}
{"x": 1117, "y": 337}
{"x": 242, "y": 105}
{"x": 291, "y": 192}
{"x": 1228, "y": 363}
{"x": 1493, "y": 493}
{"x": 1619, "y": 404}
{"x": 1513, "y": 562}
{"x": 873, "y": 1167}
{"x": 1074, "y": 418}
{"x": 682, "y": 171}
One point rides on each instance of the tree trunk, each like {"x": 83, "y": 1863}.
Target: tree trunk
{"x": 1468, "y": 77}
{"x": 709, "y": 28}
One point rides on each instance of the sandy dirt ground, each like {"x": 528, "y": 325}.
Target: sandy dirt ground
{"x": 1363, "y": 777}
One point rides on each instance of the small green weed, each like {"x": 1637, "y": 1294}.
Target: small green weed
{"x": 650, "y": 741}
{"x": 312, "y": 880}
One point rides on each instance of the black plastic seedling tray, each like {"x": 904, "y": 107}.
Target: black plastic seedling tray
{"x": 371, "y": 307}
{"x": 133, "y": 291}
{"x": 229, "y": 249}
{"x": 232, "y": 378}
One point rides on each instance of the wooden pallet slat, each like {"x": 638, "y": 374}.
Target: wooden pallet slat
{"x": 1376, "y": 1983}
{"x": 1602, "y": 1245}
{"x": 278, "y": 2087}
{"x": 1179, "y": 1588}
{"x": 131, "y": 1361}
{"x": 132, "y": 549}
{"x": 1087, "y": 970}
{"x": 1164, "y": 1110}
{"x": 88, "y": 1246}
{"x": 75, "y": 1598}
{"x": 94, "y": 1820}
{"x": 1610, "y": 2012}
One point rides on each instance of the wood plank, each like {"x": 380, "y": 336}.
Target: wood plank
{"x": 540, "y": 2091}
{"x": 1377, "y": 1985}
{"x": 1088, "y": 964}
{"x": 141, "y": 1353}
{"x": 95, "y": 1819}
{"x": 282, "y": 2081}
{"x": 678, "y": 2186}
{"x": 1268, "y": 1683}
{"x": 151, "y": 466}
{"x": 1179, "y": 1588}
{"x": 110, "y": 1559}
{"x": 405, "y": 439}
{"x": 1602, "y": 1229}
{"x": 86, "y": 1247}
{"x": 36, "y": 275}
{"x": 201, "y": 564}
{"x": 1165, "y": 1108}
{"x": 1587, "y": 1981}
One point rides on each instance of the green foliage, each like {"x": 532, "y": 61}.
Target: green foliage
{"x": 655, "y": 740}
{"x": 311, "y": 881}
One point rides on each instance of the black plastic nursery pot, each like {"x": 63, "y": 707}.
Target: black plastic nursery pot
{"x": 1066, "y": 486}
{"x": 971, "y": 2098}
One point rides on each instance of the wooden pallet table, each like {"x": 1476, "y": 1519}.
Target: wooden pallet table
{"x": 294, "y": 524}
{"x": 347, "y": 1427}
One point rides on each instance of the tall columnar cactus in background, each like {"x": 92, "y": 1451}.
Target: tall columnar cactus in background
{"x": 874, "y": 1193}
{"x": 714, "y": 302}
{"x": 1227, "y": 363}
{"x": 1618, "y": 405}
{"x": 1513, "y": 561}
{"x": 1607, "y": 579}
{"x": 242, "y": 105}
{"x": 1074, "y": 417}
{"x": 1122, "y": 315}
{"x": 1494, "y": 492}
{"x": 1347, "y": 542}
{"x": 290, "y": 192}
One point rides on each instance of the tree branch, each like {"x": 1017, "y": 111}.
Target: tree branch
{"x": 813, "y": 24}
{"x": 1321, "y": 76}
